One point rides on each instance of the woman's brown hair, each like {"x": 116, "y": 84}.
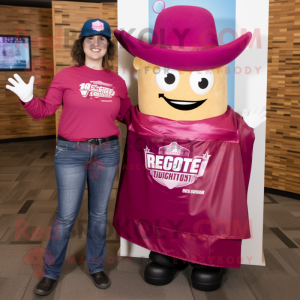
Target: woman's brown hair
{"x": 78, "y": 55}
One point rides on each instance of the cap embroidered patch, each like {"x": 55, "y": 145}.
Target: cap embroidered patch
{"x": 98, "y": 26}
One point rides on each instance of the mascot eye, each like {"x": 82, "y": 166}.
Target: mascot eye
{"x": 202, "y": 81}
{"x": 170, "y": 79}
{"x": 167, "y": 79}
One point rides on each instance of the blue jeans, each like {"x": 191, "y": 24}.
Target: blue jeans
{"x": 75, "y": 164}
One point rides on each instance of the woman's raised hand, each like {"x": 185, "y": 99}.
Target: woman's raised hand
{"x": 20, "y": 88}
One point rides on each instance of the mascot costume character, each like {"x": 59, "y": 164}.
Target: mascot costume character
{"x": 187, "y": 160}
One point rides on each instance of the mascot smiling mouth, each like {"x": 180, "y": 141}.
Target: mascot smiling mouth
{"x": 182, "y": 105}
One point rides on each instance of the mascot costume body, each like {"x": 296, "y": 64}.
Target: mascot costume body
{"x": 188, "y": 155}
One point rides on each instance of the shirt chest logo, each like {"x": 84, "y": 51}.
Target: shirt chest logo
{"x": 96, "y": 89}
{"x": 173, "y": 168}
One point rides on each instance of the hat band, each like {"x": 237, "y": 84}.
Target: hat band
{"x": 183, "y": 48}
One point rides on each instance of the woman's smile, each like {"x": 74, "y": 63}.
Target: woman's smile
{"x": 96, "y": 50}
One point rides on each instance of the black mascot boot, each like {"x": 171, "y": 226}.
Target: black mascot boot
{"x": 205, "y": 278}
{"x": 162, "y": 269}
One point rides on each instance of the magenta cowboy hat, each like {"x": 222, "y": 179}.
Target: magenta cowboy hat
{"x": 184, "y": 38}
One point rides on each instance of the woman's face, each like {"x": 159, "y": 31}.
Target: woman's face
{"x": 95, "y": 47}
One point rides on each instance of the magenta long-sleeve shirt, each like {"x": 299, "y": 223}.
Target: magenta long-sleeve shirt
{"x": 91, "y": 101}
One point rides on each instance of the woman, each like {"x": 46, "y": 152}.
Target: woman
{"x": 87, "y": 149}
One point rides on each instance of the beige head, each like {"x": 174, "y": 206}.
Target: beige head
{"x": 181, "y": 95}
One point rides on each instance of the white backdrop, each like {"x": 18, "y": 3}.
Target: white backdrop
{"x": 250, "y": 90}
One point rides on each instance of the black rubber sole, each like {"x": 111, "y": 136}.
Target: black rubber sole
{"x": 161, "y": 281}
{"x": 206, "y": 287}
{"x": 43, "y": 293}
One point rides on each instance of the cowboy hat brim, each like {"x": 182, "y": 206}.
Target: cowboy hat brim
{"x": 183, "y": 60}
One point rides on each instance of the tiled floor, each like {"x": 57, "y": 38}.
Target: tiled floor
{"x": 28, "y": 197}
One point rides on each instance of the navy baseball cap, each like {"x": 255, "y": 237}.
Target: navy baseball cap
{"x": 95, "y": 26}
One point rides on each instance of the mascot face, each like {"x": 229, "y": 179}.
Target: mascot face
{"x": 181, "y": 95}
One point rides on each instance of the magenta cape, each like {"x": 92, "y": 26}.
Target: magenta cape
{"x": 183, "y": 187}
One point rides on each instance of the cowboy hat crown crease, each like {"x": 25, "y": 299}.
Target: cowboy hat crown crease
{"x": 178, "y": 44}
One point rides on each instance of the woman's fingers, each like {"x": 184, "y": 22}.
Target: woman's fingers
{"x": 20, "y": 88}
{"x": 31, "y": 81}
{"x": 9, "y": 87}
{"x": 13, "y": 82}
{"x": 18, "y": 78}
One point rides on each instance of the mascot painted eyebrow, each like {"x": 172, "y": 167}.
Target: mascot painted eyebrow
{"x": 187, "y": 160}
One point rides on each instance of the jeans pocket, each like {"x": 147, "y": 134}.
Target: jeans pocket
{"x": 58, "y": 150}
{"x": 61, "y": 148}
{"x": 115, "y": 148}
{"x": 64, "y": 146}
{"x": 114, "y": 145}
